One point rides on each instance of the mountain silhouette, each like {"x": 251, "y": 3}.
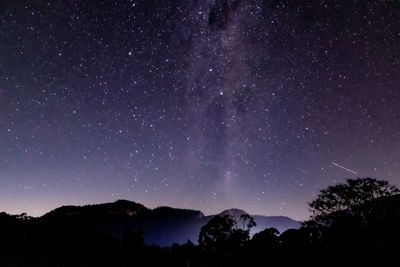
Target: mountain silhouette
{"x": 161, "y": 226}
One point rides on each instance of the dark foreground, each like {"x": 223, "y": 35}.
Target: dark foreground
{"x": 364, "y": 231}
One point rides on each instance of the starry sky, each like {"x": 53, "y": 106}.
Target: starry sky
{"x": 206, "y": 105}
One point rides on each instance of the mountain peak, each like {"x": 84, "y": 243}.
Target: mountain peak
{"x": 235, "y": 213}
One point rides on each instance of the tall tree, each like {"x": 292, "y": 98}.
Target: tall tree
{"x": 352, "y": 193}
{"x": 225, "y": 232}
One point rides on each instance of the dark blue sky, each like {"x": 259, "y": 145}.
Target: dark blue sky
{"x": 197, "y": 104}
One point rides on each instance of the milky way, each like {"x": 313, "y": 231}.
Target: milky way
{"x": 195, "y": 104}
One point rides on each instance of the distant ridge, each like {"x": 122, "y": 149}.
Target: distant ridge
{"x": 119, "y": 207}
{"x": 162, "y": 226}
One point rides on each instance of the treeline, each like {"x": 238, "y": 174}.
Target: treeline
{"x": 356, "y": 223}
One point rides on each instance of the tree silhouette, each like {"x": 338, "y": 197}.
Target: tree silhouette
{"x": 216, "y": 232}
{"x": 267, "y": 236}
{"x": 225, "y": 231}
{"x": 352, "y": 224}
{"x": 247, "y": 222}
{"x": 344, "y": 196}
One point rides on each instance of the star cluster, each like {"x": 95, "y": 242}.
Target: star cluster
{"x": 196, "y": 104}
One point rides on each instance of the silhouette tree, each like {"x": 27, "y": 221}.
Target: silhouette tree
{"x": 352, "y": 224}
{"x": 267, "y": 237}
{"x": 266, "y": 241}
{"x": 344, "y": 196}
{"x": 216, "y": 232}
{"x": 224, "y": 232}
{"x": 247, "y": 222}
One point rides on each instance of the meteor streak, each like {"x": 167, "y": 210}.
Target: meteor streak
{"x": 344, "y": 168}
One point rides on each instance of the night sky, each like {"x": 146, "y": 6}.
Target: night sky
{"x": 195, "y": 104}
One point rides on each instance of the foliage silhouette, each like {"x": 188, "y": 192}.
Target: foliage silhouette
{"x": 344, "y": 197}
{"x": 223, "y": 232}
{"x": 350, "y": 223}
{"x": 363, "y": 232}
